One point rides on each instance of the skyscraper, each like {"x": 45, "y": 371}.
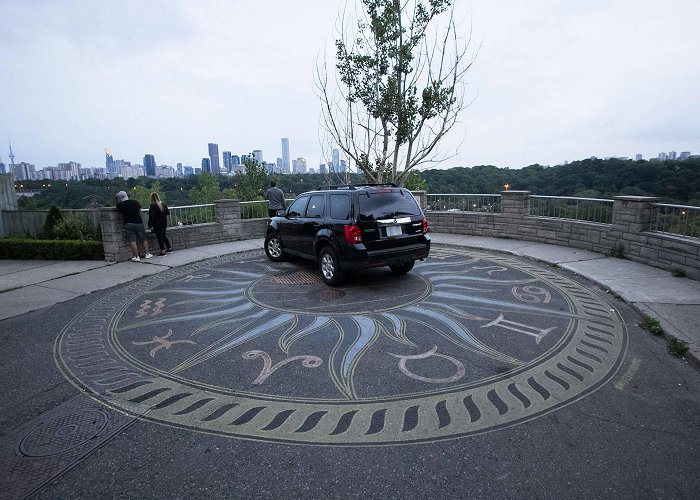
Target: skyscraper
{"x": 214, "y": 157}
{"x": 258, "y": 156}
{"x": 206, "y": 165}
{"x": 149, "y": 165}
{"x": 285, "y": 155}
{"x": 227, "y": 161}
{"x": 336, "y": 160}
{"x": 109, "y": 161}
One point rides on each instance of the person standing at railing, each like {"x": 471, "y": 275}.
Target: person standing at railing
{"x": 133, "y": 224}
{"x": 275, "y": 199}
{"x": 158, "y": 222}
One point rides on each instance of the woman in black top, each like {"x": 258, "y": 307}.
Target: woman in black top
{"x": 158, "y": 222}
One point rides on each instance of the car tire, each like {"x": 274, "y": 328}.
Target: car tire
{"x": 329, "y": 266}
{"x": 273, "y": 248}
{"x": 402, "y": 268}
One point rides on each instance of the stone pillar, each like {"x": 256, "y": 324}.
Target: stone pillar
{"x": 8, "y": 197}
{"x": 228, "y": 215}
{"x": 115, "y": 245}
{"x": 634, "y": 214}
{"x": 422, "y": 199}
{"x": 515, "y": 203}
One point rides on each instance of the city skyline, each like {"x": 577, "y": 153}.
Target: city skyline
{"x": 552, "y": 82}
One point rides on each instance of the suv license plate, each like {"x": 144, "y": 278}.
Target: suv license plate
{"x": 393, "y": 230}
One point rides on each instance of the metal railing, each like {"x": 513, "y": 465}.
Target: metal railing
{"x": 680, "y": 220}
{"x": 187, "y": 215}
{"x": 481, "y": 203}
{"x": 572, "y": 208}
{"x": 257, "y": 209}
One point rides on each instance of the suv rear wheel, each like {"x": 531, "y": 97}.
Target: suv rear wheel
{"x": 273, "y": 248}
{"x": 402, "y": 268}
{"x": 330, "y": 269}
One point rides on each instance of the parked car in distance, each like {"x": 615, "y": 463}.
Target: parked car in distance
{"x": 346, "y": 228}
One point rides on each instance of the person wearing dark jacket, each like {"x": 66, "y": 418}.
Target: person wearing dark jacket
{"x": 133, "y": 225}
{"x": 158, "y": 222}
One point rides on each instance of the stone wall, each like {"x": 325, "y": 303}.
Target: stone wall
{"x": 228, "y": 226}
{"x": 629, "y": 234}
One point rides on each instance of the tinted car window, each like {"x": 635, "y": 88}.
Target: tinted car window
{"x": 340, "y": 207}
{"x": 298, "y": 206}
{"x": 383, "y": 204}
{"x": 316, "y": 206}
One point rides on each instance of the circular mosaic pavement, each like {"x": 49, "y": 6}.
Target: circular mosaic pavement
{"x": 468, "y": 342}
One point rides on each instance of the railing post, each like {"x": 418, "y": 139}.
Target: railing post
{"x": 515, "y": 203}
{"x": 113, "y": 241}
{"x": 422, "y": 199}
{"x": 634, "y": 214}
{"x": 228, "y": 215}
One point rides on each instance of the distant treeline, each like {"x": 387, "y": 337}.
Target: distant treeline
{"x": 672, "y": 181}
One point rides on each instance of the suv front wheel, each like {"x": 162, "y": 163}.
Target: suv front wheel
{"x": 330, "y": 269}
{"x": 273, "y": 248}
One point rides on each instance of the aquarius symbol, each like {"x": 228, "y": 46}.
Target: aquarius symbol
{"x": 433, "y": 352}
{"x": 191, "y": 277}
{"x": 146, "y": 305}
{"x": 307, "y": 361}
{"x": 163, "y": 343}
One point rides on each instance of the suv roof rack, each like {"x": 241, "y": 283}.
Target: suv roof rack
{"x": 360, "y": 186}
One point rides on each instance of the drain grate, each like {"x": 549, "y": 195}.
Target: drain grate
{"x": 297, "y": 277}
{"x": 43, "y": 449}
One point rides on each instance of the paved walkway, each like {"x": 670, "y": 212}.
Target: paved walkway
{"x": 32, "y": 285}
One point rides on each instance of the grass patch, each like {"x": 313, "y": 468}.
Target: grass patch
{"x": 676, "y": 347}
{"x": 678, "y": 273}
{"x": 651, "y": 325}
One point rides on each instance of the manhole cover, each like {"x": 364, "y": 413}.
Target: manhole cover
{"x": 297, "y": 277}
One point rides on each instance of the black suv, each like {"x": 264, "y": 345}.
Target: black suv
{"x": 351, "y": 227}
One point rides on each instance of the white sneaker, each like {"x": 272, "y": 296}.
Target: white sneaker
{"x": 148, "y": 255}
{"x": 136, "y": 259}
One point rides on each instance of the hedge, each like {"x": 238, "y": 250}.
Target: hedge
{"x": 30, "y": 249}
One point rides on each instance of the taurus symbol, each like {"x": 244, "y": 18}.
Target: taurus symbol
{"x": 433, "y": 352}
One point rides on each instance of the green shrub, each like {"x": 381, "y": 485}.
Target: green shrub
{"x": 29, "y": 249}
{"x": 53, "y": 217}
{"x": 72, "y": 229}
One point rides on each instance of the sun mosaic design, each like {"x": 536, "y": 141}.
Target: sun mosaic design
{"x": 467, "y": 343}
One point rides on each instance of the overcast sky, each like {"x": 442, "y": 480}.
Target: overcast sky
{"x": 553, "y": 81}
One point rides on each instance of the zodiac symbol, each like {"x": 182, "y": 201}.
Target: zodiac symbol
{"x": 146, "y": 305}
{"x": 433, "y": 352}
{"x": 531, "y": 294}
{"x": 538, "y": 333}
{"x": 191, "y": 277}
{"x": 307, "y": 361}
{"x": 163, "y": 343}
{"x": 493, "y": 269}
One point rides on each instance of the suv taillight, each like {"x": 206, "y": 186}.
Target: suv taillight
{"x": 425, "y": 225}
{"x": 353, "y": 234}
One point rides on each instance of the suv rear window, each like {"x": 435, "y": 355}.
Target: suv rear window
{"x": 385, "y": 204}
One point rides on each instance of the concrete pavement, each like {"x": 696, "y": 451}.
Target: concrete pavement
{"x": 27, "y": 286}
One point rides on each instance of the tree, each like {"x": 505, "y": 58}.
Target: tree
{"x": 401, "y": 86}
{"x": 207, "y": 191}
{"x": 249, "y": 185}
